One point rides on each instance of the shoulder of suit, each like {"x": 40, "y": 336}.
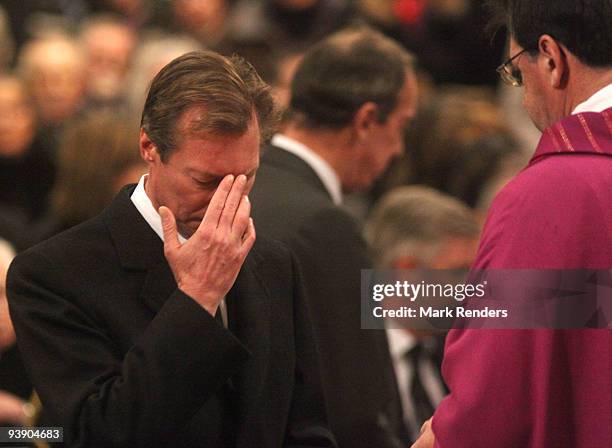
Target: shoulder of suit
{"x": 87, "y": 241}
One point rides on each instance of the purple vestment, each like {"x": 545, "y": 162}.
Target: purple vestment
{"x": 540, "y": 388}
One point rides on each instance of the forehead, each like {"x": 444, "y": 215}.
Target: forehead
{"x": 216, "y": 154}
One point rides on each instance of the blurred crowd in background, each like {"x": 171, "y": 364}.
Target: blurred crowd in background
{"x": 74, "y": 75}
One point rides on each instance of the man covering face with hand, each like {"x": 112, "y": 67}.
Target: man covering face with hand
{"x": 161, "y": 322}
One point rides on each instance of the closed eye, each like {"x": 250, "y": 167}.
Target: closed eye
{"x": 208, "y": 184}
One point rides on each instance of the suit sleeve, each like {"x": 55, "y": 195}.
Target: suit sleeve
{"x": 104, "y": 399}
{"x": 308, "y": 425}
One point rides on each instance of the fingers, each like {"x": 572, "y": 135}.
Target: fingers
{"x": 171, "y": 241}
{"x": 241, "y": 219}
{"x": 426, "y": 438}
{"x": 248, "y": 239}
{"x": 234, "y": 200}
{"x": 216, "y": 205}
{"x": 425, "y": 425}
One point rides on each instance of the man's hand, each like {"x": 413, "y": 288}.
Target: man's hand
{"x": 427, "y": 439}
{"x": 206, "y": 266}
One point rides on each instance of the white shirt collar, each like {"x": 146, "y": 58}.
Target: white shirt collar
{"x": 144, "y": 205}
{"x": 598, "y": 102}
{"x": 324, "y": 171}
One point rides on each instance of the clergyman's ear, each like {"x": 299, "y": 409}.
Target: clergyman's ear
{"x": 554, "y": 60}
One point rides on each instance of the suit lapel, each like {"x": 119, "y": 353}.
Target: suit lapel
{"x": 159, "y": 284}
{"x": 139, "y": 249}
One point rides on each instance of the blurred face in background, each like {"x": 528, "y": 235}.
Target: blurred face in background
{"x": 56, "y": 79}
{"x": 17, "y": 120}
{"x": 108, "y": 48}
{"x": 203, "y": 19}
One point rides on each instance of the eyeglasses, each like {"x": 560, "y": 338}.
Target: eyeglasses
{"x": 509, "y": 73}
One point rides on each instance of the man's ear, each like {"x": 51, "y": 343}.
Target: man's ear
{"x": 554, "y": 61}
{"x": 148, "y": 150}
{"x": 365, "y": 117}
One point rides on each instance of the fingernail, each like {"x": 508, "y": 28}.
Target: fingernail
{"x": 246, "y": 198}
{"x": 231, "y": 177}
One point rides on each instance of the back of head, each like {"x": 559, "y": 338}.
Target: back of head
{"x": 108, "y": 42}
{"x": 344, "y": 71}
{"x": 412, "y": 221}
{"x": 583, "y": 26}
{"x": 228, "y": 92}
{"x": 94, "y": 151}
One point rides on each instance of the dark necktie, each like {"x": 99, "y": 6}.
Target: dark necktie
{"x": 423, "y": 406}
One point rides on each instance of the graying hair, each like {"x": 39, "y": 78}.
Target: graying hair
{"x": 413, "y": 221}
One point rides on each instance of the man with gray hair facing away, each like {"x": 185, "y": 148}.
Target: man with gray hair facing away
{"x": 418, "y": 227}
{"x": 161, "y": 322}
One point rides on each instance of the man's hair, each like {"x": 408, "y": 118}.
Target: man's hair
{"x": 413, "y": 221}
{"x": 228, "y": 90}
{"x": 583, "y": 26}
{"x": 344, "y": 71}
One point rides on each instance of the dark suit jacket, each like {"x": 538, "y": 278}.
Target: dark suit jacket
{"x": 291, "y": 204}
{"x": 122, "y": 358}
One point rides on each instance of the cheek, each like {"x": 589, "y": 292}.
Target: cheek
{"x": 532, "y": 107}
{"x": 183, "y": 198}
{"x": 195, "y": 201}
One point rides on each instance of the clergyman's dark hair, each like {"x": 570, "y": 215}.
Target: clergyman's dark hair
{"x": 344, "y": 71}
{"x": 228, "y": 90}
{"x": 583, "y": 26}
